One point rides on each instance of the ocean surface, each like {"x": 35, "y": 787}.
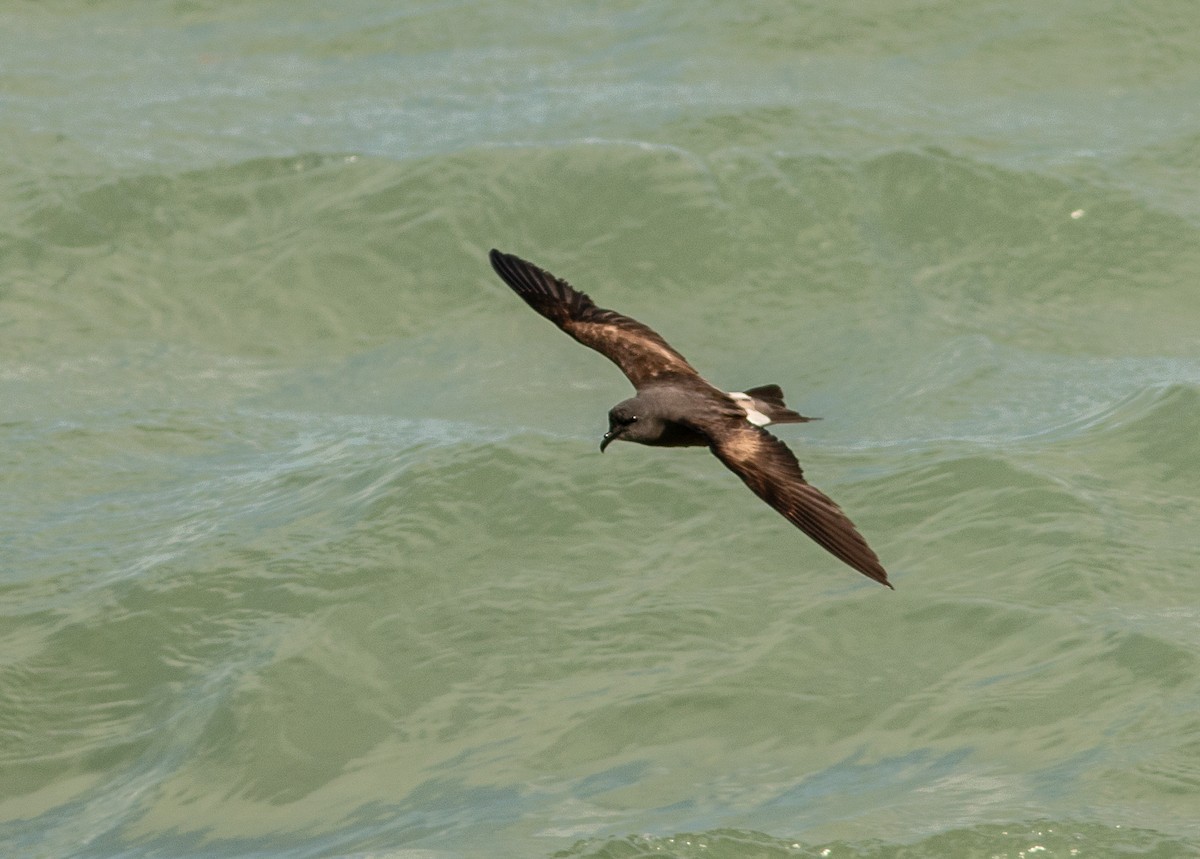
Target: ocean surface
{"x": 307, "y": 548}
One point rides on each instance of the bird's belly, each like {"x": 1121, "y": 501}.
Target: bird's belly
{"x": 676, "y": 435}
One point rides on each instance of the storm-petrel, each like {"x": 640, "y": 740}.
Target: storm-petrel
{"x": 676, "y": 407}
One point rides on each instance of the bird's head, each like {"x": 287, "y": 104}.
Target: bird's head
{"x": 622, "y": 422}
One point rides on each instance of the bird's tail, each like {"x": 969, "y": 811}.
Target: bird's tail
{"x": 766, "y": 401}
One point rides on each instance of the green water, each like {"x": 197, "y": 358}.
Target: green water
{"x": 306, "y": 546}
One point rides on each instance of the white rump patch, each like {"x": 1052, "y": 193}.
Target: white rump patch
{"x": 752, "y": 414}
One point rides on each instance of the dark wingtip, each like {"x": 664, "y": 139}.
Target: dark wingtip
{"x": 869, "y": 566}
{"x": 517, "y": 273}
{"x": 875, "y": 572}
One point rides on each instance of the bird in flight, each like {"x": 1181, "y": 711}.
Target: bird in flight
{"x": 676, "y": 407}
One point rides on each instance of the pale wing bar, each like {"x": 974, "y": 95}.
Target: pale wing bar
{"x": 638, "y": 350}
{"x": 770, "y": 469}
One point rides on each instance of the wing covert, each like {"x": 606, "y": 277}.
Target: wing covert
{"x": 637, "y": 349}
{"x": 772, "y": 472}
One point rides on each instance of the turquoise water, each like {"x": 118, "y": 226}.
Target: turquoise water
{"x": 306, "y": 546}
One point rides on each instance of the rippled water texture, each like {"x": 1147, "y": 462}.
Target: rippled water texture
{"x": 306, "y": 546}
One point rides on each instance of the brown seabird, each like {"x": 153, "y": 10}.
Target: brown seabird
{"x": 676, "y": 407}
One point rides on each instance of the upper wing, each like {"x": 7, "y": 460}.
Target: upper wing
{"x": 770, "y": 469}
{"x": 641, "y": 354}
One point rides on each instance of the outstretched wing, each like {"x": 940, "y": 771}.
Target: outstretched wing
{"x": 641, "y": 354}
{"x": 771, "y": 470}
